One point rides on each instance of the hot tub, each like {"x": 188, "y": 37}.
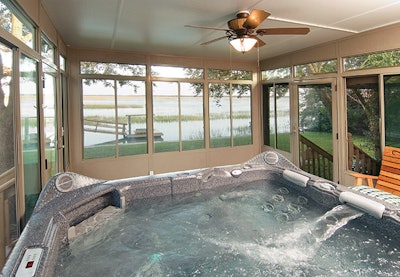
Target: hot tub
{"x": 69, "y": 200}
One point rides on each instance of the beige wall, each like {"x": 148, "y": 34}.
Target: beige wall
{"x": 139, "y": 165}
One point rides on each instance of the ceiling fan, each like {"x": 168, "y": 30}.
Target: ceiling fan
{"x": 243, "y": 34}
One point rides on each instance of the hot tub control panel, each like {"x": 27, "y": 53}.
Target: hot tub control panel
{"x": 30, "y": 262}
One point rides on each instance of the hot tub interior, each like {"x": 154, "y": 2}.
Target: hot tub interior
{"x": 261, "y": 218}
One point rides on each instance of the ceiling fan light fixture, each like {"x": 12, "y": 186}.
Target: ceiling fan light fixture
{"x": 243, "y": 44}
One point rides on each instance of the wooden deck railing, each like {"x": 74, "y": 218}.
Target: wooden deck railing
{"x": 315, "y": 160}
{"x": 8, "y": 218}
{"x": 359, "y": 161}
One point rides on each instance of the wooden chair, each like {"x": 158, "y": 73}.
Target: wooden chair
{"x": 389, "y": 175}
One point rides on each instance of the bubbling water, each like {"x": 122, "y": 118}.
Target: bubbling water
{"x": 256, "y": 230}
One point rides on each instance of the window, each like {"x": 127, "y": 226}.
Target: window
{"x": 276, "y": 74}
{"x": 6, "y": 110}
{"x": 16, "y": 24}
{"x": 178, "y": 117}
{"x": 241, "y": 115}
{"x": 114, "y": 110}
{"x": 115, "y": 69}
{"x": 372, "y": 60}
{"x": 315, "y": 68}
{"x": 223, "y": 74}
{"x": 230, "y": 114}
{"x": 115, "y": 116}
{"x": 220, "y": 112}
{"x": 178, "y": 109}
{"x": 99, "y": 120}
{"x": 177, "y": 72}
{"x": 48, "y": 50}
{"x": 276, "y": 102}
{"x": 363, "y": 124}
{"x": 29, "y": 83}
{"x": 62, "y": 63}
{"x": 392, "y": 111}
{"x": 192, "y": 116}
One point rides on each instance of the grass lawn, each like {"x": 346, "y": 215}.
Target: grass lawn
{"x": 323, "y": 140}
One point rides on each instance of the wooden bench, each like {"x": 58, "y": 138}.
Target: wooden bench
{"x": 389, "y": 175}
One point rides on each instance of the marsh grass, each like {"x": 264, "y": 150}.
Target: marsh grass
{"x": 166, "y": 118}
{"x": 111, "y": 106}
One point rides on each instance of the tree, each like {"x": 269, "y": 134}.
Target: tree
{"x": 220, "y": 89}
{"x": 100, "y": 68}
{"x": 316, "y": 109}
{"x": 6, "y": 119}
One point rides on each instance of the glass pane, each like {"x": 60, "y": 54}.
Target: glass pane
{"x": 269, "y": 118}
{"x": 282, "y": 95}
{"x": 392, "y": 111}
{"x": 131, "y": 103}
{"x": 363, "y": 124}
{"x": 221, "y": 74}
{"x": 62, "y": 63}
{"x": 177, "y": 72}
{"x": 241, "y": 114}
{"x": 48, "y": 50}
{"x": 315, "y": 68}
{"x": 315, "y": 124}
{"x": 30, "y": 131}
{"x": 50, "y": 124}
{"x": 220, "y": 111}
{"x": 276, "y": 74}
{"x": 278, "y": 117}
{"x": 192, "y": 116}
{"x": 165, "y": 116}
{"x": 99, "y": 129}
{"x": 113, "y": 69}
{"x": 372, "y": 60}
{"x": 6, "y": 110}
{"x": 13, "y": 22}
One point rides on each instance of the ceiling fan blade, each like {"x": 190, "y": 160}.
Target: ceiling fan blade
{"x": 283, "y": 31}
{"x": 255, "y": 18}
{"x": 211, "y": 41}
{"x": 206, "y": 27}
{"x": 260, "y": 42}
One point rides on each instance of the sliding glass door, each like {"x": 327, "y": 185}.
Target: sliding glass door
{"x": 317, "y": 130}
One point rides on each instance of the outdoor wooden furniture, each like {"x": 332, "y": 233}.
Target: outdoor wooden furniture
{"x": 389, "y": 175}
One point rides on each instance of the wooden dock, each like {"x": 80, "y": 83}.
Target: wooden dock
{"x": 107, "y": 127}
{"x": 141, "y": 133}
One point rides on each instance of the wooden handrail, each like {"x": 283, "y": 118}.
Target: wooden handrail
{"x": 359, "y": 161}
{"x": 317, "y": 161}
{"x": 314, "y": 159}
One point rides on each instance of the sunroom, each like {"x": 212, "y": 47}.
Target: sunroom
{"x": 110, "y": 90}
